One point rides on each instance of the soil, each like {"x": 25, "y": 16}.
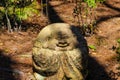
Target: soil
{"x": 16, "y": 47}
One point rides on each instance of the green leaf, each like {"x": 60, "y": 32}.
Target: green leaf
{"x": 92, "y": 3}
{"x": 118, "y": 40}
{"x": 92, "y": 47}
{"x": 118, "y": 50}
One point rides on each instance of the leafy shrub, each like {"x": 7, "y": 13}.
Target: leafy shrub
{"x": 14, "y": 11}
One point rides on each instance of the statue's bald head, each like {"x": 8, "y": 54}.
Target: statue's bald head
{"x": 58, "y": 36}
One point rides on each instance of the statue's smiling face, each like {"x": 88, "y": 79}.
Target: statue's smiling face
{"x": 62, "y": 40}
{"x": 58, "y": 38}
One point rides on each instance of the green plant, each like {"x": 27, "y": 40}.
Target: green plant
{"x": 118, "y": 50}
{"x": 118, "y": 40}
{"x": 90, "y": 3}
{"x": 17, "y": 10}
{"x": 92, "y": 47}
{"x": 85, "y": 15}
{"x": 93, "y": 3}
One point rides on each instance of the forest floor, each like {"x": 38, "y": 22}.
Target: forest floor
{"x": 16, "y": 47}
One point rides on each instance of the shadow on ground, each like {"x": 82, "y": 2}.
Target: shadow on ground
{"x": 6, "y": 71}
{"x": 109, "y": 6}
{"x": 52, "y": 15}
{"x": 96, "y": 71}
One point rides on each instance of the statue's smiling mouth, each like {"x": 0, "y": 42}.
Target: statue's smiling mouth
{"x": 62, "y": 44}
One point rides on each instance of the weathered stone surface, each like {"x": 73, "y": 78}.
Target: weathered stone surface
{"x": 60, "y": 53}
